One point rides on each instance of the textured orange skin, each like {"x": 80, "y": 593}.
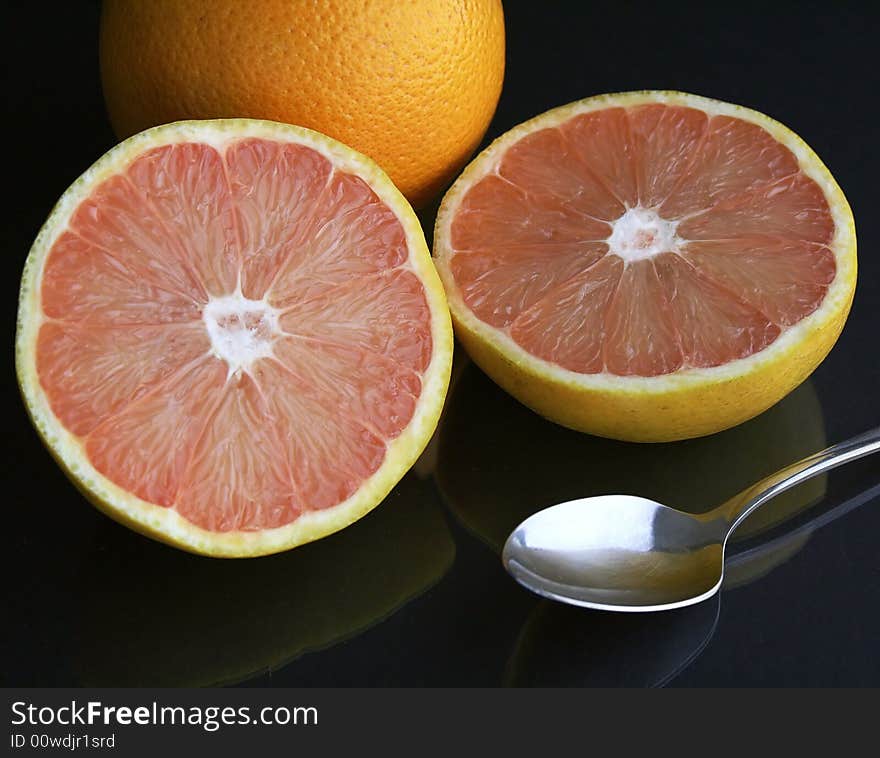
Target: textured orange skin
{"x": 411, "y": 84}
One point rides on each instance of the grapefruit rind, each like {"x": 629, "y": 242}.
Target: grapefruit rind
{"x": 691, "y": 402}
{"x": 165, "y": 524}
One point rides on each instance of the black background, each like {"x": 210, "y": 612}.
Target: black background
{"x": 82, "y": 591}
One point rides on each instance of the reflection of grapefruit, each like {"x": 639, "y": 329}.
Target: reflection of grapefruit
{"x": 231, "y": 335}
{"x": 498, "y": 463}
{"x": 411, "y": 84}
{"x": 744, "y": 568}
{"x": 159, "y": 617}
{"x": 647, "y": 266}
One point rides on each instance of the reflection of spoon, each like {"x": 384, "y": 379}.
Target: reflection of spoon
{"x": 561, "y": 646}
{"x": 564, "y": 646}
{"x": 154, "y": 616}
{"x": 626, "y": 553}
{"x": 750, "y": 564}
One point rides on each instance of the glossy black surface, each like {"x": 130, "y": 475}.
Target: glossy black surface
{"x": 414, "y": 594}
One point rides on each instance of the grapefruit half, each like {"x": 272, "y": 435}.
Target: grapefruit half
{"x": 231, "y": 336}
{"x": 647, "y": 266}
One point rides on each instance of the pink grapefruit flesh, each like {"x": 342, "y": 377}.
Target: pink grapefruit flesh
{"x": 644, "y": 240}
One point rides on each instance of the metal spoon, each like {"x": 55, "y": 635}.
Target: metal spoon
{"x": 627, "y": 553}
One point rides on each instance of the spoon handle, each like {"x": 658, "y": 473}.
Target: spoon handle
{"x": 735, "y": 510}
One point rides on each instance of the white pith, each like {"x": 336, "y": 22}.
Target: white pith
{"x": 241, "y": 330}
{"x": 642, "y": 233}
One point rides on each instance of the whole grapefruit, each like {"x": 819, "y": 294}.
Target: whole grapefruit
{"x": 413, "y": 85}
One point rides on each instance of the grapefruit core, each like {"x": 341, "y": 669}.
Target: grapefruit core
{"x": 231, "y": 335}
{"x": 647, "y": 266}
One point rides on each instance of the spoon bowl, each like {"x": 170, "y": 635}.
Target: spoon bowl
{"x": 617, "y": 552}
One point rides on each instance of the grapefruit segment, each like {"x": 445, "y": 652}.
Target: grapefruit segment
{"x": 331, "y": 454}
{"x": 145, "y": 448}
{"x": 647, "y": 265}
{"x": 605, "y": 146}
{"x": 736, "y": 155}
{"x": 184, "y": 187}
{"x": 547, "y": 159}
{"x": 793, "y": 208}
{"x": 232, "y": 337}
{"x": 385, "y": 314}
{"x": 640, "y": 331}
{"x": 665, "y": 141}
{"x": 238, "y": 476}
{"x": 275, "y": 188}
{"x": 500, "y": 287}
{"x": 381, "y": 392}
{"x": 554, "y": 327}
{"x": 784, "y": 279}
{"x": 114, "y": 218}
{"x": 352, "y": 235}
{"x": 118, "y": 292}
{"x": 91, "y": 373}
{"x": 714, "y": 327}
{"x": 504, "y": 213}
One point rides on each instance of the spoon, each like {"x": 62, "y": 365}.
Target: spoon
{"x": 628, "y": 553}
